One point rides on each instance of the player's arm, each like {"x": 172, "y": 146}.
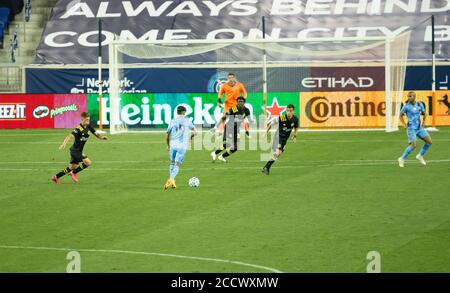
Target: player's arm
{"x": 193, "y": 133}
{"x": 243, "y": 91}
{"x": 402, "y": 116}
{"x": 271, "y": 123}
{"x": 193, "y": 130}
{"x": 168, "y": 131}
{"x": 219, "y": 97}
{"x": 294, "y": 138}
{"x": 424, "y": 113}
{"x": 168, "y": 141}
{"x": 66, "y": 140}
{"x": 248, "y": 116}
{"x": 98, "y": 134}
{"x": 222, "y": 119}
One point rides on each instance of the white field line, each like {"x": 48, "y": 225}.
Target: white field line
{"x": 143, "y": 253}
{"x": 217, "y": 140}
{"x": 228, "y": 167}
{"x": 5, "y": 133}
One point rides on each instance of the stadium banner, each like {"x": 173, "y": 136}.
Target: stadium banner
{"x": 70, "y": 36}
{"x": 156, "y": 110}
{"x": 208, "y": 80}
{"x": 361, "y": 109}
{"x": 41, "y": 111}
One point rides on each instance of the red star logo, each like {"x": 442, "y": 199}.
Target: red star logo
{"x": 275, "y": 110}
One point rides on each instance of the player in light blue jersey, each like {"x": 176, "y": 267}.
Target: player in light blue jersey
{"x": 413, "y": 110}
{"x": 178, "y": 136}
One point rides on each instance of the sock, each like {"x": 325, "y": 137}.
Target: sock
{"x": 65, "y": 171}
{"x": 218, "y": 151}
{"x": 424, "y": 149}
{"x": 80, "y": 168}
{"x": 269, "y": 164}
{"x": 228, "y": 153}
{"x": 408, "y": 150}
{"x": 171, "y": 168}
{"x": 174, "y": 171}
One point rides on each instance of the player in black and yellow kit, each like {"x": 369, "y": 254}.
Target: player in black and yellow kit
{"x": 286, "y": 122}
{"x": 234, "y": 117}
{"x": 81, "y": 135}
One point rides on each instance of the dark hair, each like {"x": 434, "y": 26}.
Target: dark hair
{"x": 241, "y": 98}
{"x": 85, "y": 115}
{"x": 181, "y": 110}
{"x": 231, "y": 73}
{"x": 290, "y": 106}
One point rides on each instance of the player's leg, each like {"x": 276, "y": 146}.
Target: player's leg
{"x": 217, "y": 152}
{"x": 423, "y": 134}
{"x": 277, "y": 148}
{"x": 85, "y": 162}
{"x": 179, "y": 158}
{"x": 222, "y": 148}
{"x": 231, "y": 148}
{"x": 172, "y": 156}
{"x": 276, "y": 154}
{"x": 74, "y": 159}
{"x": 411, "y": 146}
{"x": 228, "y": 152}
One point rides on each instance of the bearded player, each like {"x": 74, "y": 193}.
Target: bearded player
{"x": 413, "y": 110}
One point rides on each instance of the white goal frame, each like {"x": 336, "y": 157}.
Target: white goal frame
{"x": 114, "y": 65}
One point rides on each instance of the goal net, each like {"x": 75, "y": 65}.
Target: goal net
{"x": 264, "y": 66}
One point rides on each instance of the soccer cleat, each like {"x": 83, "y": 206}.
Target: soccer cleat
{"x": 266, "y": 171}
{"x": 74, "y": 177}
{"x": 172, "y": 183}
{"x": 213, "y": 156}
{"x": 221, "y": 158}
{"x": 401, "y": 162}
{"x": 248, "y": 134}
{"x": 421, "y": 159}
{"x": 56, "y": 179}
{"x": 167, "y": 185}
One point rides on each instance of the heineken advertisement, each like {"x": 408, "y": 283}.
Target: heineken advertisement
{"x": 144, "y": 110}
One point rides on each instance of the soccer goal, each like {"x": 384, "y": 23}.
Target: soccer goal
{"x": 263, "y": 65}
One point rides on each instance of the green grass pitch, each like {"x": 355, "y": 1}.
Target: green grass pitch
{"x": 332, "y": 198}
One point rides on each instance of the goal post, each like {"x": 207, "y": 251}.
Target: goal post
{"x": 258, "y": 57}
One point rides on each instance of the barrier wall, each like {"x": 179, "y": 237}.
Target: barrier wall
{"x": 362, "y": 109}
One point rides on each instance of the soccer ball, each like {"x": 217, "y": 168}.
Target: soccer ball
{"x": 194, "y": 182}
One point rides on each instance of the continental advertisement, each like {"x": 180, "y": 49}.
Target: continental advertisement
{"x": 362, "y": 109}
{"x": 156, "y": 110}
{"x": 41, "y": 111}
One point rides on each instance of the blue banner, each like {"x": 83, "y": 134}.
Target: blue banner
{"x": 182, "y": 80}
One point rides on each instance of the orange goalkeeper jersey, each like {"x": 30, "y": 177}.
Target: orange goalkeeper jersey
{"x": 232, "y": 93}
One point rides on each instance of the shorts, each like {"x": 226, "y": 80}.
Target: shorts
{"x": 77, "y": 157}
{"x": 413, "y": 133}
{"x": 279, "y": 144}
{"x": 177, "y": 155}
{"x": 228, "y": 106}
